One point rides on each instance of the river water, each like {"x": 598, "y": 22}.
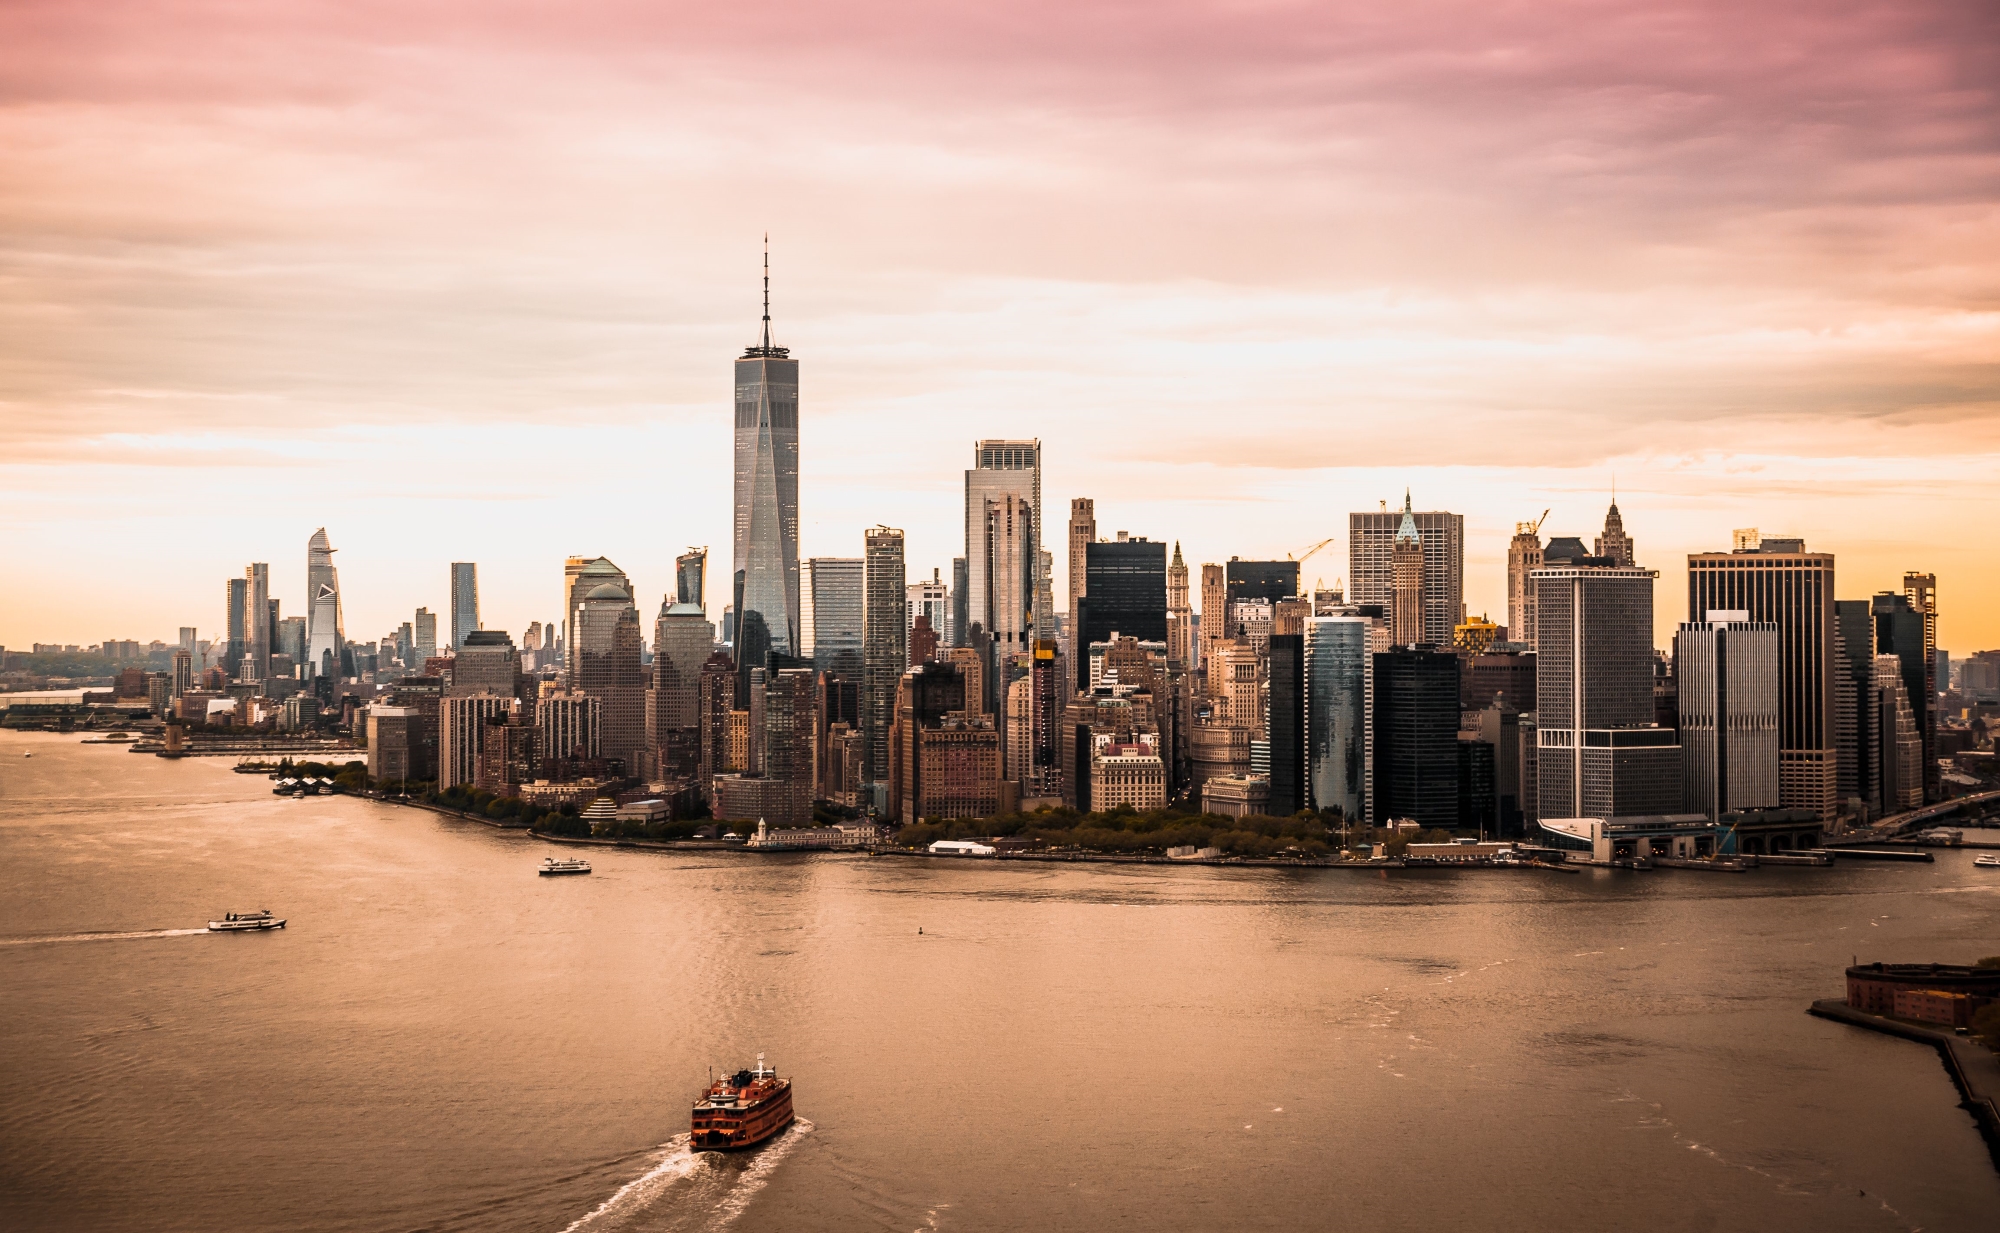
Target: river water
{"x": 441, "y": 1040}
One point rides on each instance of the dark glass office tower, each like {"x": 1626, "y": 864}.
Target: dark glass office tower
{"x": 766, "y": 562}
{"x": 1288, "y": 725}
{"x": 1854, "y": 673}
{"x": 690, "y": 570}
{"x": 1267, "y": 580}
{"x": 236, "y": 623}
{"x": 1416, "y": 736}
{"x": 1125, "y": 592}
{"x": 1900, "y": 631}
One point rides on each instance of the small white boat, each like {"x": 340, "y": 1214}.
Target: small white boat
{"x": 551, "y": 866}
{"x": 1987, "y": 862}
{"x": 235, "y": 922}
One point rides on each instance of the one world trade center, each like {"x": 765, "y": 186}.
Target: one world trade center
{"x": 767, "y": 497}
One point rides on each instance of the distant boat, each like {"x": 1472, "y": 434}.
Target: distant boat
{"x": 235, "y": 922}
{"x": 551, "y": 866}
{"x": 1987, "y": 862}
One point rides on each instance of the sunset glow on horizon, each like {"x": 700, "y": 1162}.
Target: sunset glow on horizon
{"x": 463, "y": 282}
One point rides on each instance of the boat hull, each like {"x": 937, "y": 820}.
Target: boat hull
{"x": 242, "y": 926}
{"x": 757, "y": 1126}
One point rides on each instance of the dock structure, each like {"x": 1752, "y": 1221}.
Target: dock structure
{"x": 1974, "y": 1069}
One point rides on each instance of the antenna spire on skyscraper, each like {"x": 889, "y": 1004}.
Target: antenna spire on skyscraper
{"x": 763, "y": 349}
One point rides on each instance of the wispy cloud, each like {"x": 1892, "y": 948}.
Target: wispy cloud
{"x": 1252, "y": 259}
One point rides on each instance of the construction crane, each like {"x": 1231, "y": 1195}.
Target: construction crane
{"x": 1536, "y": 529}
{"x": 1302, "y": 557}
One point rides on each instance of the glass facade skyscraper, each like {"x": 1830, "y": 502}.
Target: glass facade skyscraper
{"x": 464, "y": 601}
{"x": 838, "y": 604}
{"x": 325, "y": 638}
{"x": 1337, "y": 665}
{"x": 765, "y": 569}
{"x": 1004, "y": 588}
{"x": 1416, "y": 736}
{"x": 690, "y": 577}
{"x": 1125, "y": 592}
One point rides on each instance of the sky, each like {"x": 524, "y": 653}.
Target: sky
{"x": 463, "y": 281}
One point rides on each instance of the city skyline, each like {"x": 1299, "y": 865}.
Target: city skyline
{"x": 1233, "y": 323}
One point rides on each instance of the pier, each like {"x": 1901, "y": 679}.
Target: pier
{"x": 1974, "y": 1069}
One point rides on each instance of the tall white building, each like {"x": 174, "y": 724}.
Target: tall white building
{"x": 325, "y": 637}
{"x": 995, "y": 571}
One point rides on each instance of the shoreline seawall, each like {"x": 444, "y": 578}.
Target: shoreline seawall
{"x": 1974, "y": 1069}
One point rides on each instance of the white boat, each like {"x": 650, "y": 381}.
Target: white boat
{"x": 552, "y": 866}
{"x": 1987, "y": 862}
{"x": 234, "y": 922}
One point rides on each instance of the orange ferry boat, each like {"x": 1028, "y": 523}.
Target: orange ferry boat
{"x": 741, "y": 1110}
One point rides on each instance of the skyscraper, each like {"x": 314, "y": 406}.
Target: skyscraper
{"x": 1180, "y": 614}
{"x": 1266, "y": 581}
{"x": 1904, "y": 631}
{"x": 1416, "y": 736}
{"x": 1004, "y": 561}
{"x": 1614, "y": 545}
{"x": 486, "y": 663}
{"x": 683, "y": 639}
{"x": 464, "y": 601}
{"x": 1524, "y": 554}
{"x": 1125, "y": 592}
{"x": 581, "y": 575}
{"x": 1371, "y": 540}
{"x": 1600, "y": 754}
{"x": 1777, "y": 580}
{"x": 426, "y": 638}
{"x": 1214, "y": 617}
{"x": 1285, "y": 729}
{"x": 1921, "y": 592}
{"x": 1898, "y": 747}
{"x": 1726, "y": 673}
{"x": 766, "y": 550}
{"x": 1406, "y": 582}
{"x": 690, "y": 577}
{"x": 1853, "y": 681}
{"x": 839, "y": 606}
{"x": 1002, "y": 579}
{"x": 257, "y": 627}
{"x": 606, "y": 626}
{"x": 931, "y": 599}
{"x": 325, "y": 636}
{"x": 1338, "y": 669}
{"x": 236, "y": 625}
{"x": 885, "y": 646}
{"x": 791, "y": 726}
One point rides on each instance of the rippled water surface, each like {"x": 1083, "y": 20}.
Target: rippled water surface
{"x": 441, "y": 1040}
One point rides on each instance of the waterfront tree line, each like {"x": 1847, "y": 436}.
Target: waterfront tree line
{"x": 1128, "y": 830}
